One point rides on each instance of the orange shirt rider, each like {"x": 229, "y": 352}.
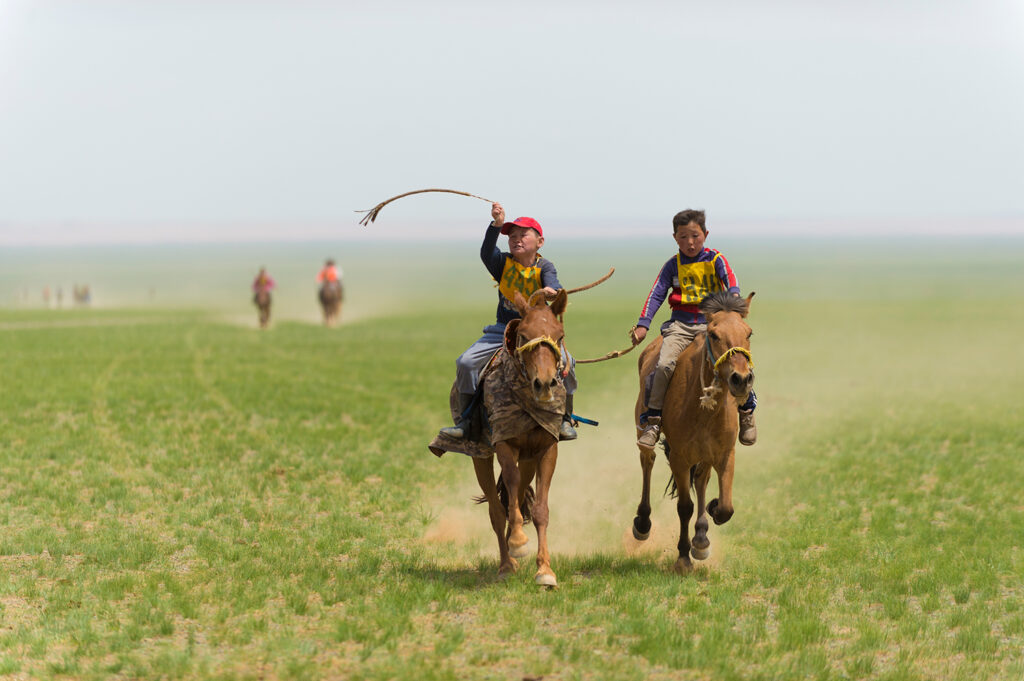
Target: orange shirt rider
{"x": 330, "y": 274}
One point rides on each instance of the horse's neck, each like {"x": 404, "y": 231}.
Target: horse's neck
{"x": 700, "y": 375}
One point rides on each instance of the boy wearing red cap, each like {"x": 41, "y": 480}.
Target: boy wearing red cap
{"x": 521, "y": 269}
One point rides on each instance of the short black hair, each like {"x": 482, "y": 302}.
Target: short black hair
{"x": 685, "y": 217}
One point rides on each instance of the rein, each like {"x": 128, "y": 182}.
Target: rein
{"x": 611, "y": 355}
{"x": 709, "y": 396}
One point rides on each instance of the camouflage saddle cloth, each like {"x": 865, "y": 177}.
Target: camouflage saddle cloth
{"x": 507, "y": 408}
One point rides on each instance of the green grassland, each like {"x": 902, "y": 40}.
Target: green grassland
{"x": 185, "y": 496}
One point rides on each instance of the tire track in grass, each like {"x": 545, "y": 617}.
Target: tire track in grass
{"x": 108, "y": 430}
{"x": 202, "y": 376}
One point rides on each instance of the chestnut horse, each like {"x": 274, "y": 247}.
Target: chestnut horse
{"x": 262, "y": 301}
{"x": 699, "y": 421}
{"x": 331, "y": 296}
{"x": 534, "y": 360}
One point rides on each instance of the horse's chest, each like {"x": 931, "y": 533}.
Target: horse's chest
{"x": 700, "y": 442}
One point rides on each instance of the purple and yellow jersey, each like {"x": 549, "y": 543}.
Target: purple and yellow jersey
{"x": 695, "y": 281}
{"x": 685, "y": 282}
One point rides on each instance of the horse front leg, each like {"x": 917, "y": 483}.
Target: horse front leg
{"x": 684, "y": 507}
{"x": 642, "y": 521}
{"x": 721, "y": 509}
{"x": 545, "y": 471}
{"x": 700, "y": 547}
{"x": 484, "y": 469}
{"x": 508, "y": 459}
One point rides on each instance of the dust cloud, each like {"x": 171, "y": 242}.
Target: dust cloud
{"x": 594, "y": 496}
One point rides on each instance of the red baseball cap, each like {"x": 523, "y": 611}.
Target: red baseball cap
{"x": 523, "y": 222}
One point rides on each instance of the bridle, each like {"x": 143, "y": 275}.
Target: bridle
{"x": 708, "y": 399}
{"x": 717, "y": 363}
{"x": 533, "y": 343}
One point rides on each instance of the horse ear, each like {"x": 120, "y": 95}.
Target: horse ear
{"x": 749, "y": 298}
{"x": 537, "y": 299}
{"x": 511, "y": 330}
{"x": 559, "y": 303}
{"x": 520, "y": 303}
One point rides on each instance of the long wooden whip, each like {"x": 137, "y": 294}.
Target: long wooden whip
{"x": 603, "y": 279}
{"x": 610, "y": 355}
{"x": 371, "y": 214}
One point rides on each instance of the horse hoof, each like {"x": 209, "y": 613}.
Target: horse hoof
{"x": 683, "y": 566}
{"x": 520, "y": 551}
{"x": 641, "y": 528}
{"x": 545, "y": 579}
{"x": 700, "y": 554}
{"x": 508, "y": 568}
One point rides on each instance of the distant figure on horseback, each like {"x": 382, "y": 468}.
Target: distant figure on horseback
{"x": 262, "y": 285}
{"x": 688, "y": 277}
{"x": 331, "y": 292}
{"x": 520, "y": 270}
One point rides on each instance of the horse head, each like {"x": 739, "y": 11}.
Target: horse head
{"x": 539, "y": 340}
{"x": 728, "y": 342}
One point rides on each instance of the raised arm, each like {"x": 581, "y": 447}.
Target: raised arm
{"x": 492, "y": 258}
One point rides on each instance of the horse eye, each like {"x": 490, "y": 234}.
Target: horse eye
{"x": 713, "y": 336}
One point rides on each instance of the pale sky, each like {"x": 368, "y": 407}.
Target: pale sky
{"x": 157, "y": 120}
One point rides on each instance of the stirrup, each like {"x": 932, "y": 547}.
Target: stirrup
{"x": 652, "y": 433}
{"x": 457, "y": 431}
{"x": 566, "y": 430}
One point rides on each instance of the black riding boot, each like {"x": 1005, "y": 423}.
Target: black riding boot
{"x": 566, "y": 431}
{"x": 459, "y": 430}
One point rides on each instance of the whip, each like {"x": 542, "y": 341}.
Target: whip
{"x": 372, "y": 213}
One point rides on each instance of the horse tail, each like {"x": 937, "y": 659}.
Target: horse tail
{"x": 696, "y": 470}
{"x": 526, "y": 506}
{"x": 671, "y": 489}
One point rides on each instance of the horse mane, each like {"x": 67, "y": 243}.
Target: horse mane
{"x": 723, "y": 301}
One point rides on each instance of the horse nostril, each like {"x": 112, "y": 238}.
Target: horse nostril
{"x": 750, "y": 379}
{"x": 736, "y": 380}
{"x": 537, "y": 384}
{"x": 554, "y": 382}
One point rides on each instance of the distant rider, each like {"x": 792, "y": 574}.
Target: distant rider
{"x": 329, "y": 275}
{"x": 262, "y": 283}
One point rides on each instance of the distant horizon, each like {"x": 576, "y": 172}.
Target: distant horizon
{"x": 81, "y": 233}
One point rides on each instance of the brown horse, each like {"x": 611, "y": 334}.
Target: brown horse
{"x": 262, "y": 301}
{"x": 699, "y": 421}
{"x": 524, "y": 398}
{"x": 330, "y": 300}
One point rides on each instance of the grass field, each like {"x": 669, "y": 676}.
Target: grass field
{"x": 184, "y": 496}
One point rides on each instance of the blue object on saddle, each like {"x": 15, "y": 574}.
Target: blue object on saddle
{"x": 576, "y": 417}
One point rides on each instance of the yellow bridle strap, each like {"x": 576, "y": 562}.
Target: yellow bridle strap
{"x": 540, "y": 340}
{"x": 733, "y": 351}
